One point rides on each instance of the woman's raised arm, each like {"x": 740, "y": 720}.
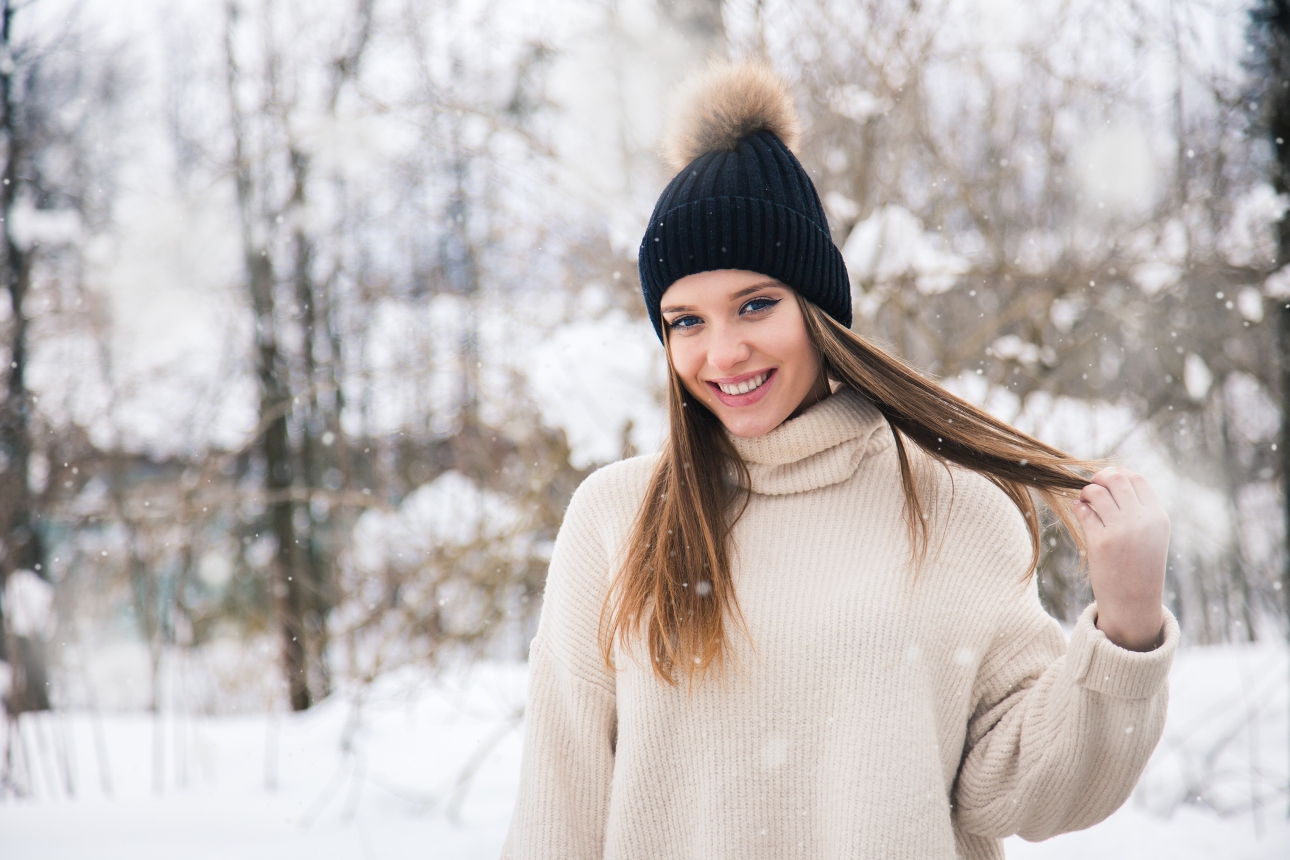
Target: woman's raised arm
{"x": 1060, "y": 733}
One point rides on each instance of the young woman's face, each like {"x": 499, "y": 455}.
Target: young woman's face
{"x": 739, "y": 344}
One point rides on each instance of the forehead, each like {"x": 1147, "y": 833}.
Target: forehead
{"x": 718, "y": 285}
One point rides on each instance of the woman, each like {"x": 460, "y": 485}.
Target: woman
{"x": 809, "y": 627}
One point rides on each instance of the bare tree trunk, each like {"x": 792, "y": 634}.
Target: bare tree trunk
{"x": 1235, "y": 558}
{"x": 462, "y": 267}
{"x": 1273, "y": 18}
{"x": 317, "y": 588}
{"x": 314, "y": 567}
{"x": 148, "y": 609}
{"x": 275, "y": 403}
{"x": 19, "y": 540}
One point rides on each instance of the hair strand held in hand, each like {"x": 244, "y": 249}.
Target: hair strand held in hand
{"x": 676, "y": 583}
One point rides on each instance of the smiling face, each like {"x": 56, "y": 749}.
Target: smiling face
{"x": 739, "y": 345}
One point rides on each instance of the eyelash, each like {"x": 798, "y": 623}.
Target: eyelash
{"x": 770, "y": 304}
{"x": 675, "y": 325}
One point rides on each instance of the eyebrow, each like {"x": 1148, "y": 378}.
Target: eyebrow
{"x": 755, "y": 288}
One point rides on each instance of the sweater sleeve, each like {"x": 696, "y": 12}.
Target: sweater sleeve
{"x": 1060, "y": 733}
{"x": 571, "y": 718}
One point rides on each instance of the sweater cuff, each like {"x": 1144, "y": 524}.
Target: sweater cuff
{"x": 1104, "y": 667}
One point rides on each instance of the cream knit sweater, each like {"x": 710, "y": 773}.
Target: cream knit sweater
{"x": 873, "y": 714}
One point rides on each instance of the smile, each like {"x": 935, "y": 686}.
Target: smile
{"x": 745, "y": 386}
{"x": 743, "y": 392}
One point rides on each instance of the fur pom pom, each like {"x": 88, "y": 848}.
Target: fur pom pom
{"x": 724, "y": 104}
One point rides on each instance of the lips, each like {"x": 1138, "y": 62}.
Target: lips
{"x": 745, "y": 386}
{"x": 743, "y": 391}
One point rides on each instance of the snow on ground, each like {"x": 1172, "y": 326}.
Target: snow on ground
{"x": 391, "y": 797}
{"x": 395, "y": 794}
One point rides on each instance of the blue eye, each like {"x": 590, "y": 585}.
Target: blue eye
{"x": 759, "y": 304}
{"x": 684, "y": 322}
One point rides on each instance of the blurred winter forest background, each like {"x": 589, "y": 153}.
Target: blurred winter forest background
{"x": 317, "y": 312}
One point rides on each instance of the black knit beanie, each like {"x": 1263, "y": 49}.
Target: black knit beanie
{"x": 741, "y": 199}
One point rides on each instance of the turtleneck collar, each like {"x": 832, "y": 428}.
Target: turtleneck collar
{"x": 822, "y": 446}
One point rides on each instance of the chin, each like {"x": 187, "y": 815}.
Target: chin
{"x": 750, "y": 426}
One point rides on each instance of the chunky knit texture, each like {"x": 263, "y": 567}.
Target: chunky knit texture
{"x": 753, "y": 209}
{"x": 875, "y": 712}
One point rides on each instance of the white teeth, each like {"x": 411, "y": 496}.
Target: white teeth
{"x": 745, "y": 386}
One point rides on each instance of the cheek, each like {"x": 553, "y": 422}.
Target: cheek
{"x": 688, "y": 360}
{"x": 793, "y": 347}
{"x": 808, "y": 358}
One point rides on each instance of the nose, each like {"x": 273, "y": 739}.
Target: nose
{"x": 728, "y": 350}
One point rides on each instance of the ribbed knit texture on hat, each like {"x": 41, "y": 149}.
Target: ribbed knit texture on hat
{"x": 755, "y": 209}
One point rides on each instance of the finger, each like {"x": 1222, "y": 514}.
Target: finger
{"x": 1100, "y": 499}
{"x": 1088, "y": 518}
{"x": 1117, "y": 481}
{"x": 1146, "y": 493}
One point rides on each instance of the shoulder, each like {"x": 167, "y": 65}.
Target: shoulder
{"x": 979, "y": 524}
{"x": 585, "y": 555}
{"x": 625, "y": 477}
{"x": 613, "y": 488}
{"x": 606, "y": 503}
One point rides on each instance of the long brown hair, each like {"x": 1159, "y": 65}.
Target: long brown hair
{"x": 675, "y": 582}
